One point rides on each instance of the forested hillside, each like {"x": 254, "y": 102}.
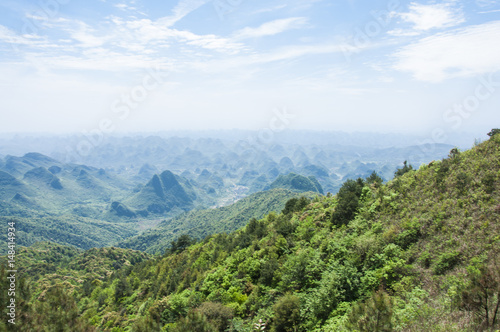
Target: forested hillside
{"x": 420, "y": 253}
{"x": 201, "y": 223}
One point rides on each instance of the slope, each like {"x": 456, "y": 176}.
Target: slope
{"x": 201, "y": 223}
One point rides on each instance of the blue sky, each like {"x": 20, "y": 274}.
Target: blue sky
{"x": 428, "y": 67}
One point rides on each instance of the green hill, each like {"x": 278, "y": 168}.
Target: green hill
{"x": 81, "y": 232}
{"x": 42, "y": 175}
{"x": 201, "y": 223}
{"x": 420, "y": 253}
{"x": 297, "y": 182}
{"x": 163, "y": 193}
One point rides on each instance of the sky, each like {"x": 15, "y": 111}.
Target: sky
{"x": 428, "y": 67}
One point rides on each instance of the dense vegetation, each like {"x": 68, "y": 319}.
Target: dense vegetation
{"x": 419, "y": 253}
{"x": 84, "y": 233}
{"x": 201, "y": 223}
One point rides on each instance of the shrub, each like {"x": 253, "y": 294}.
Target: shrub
{"x": 446, "y": 262}
{"x": 406, "y": 168}
{"x": 373, "y": 315}
{"x": 194, "y": 321}
{"x": 218, "y": 314}
{"x": 286, "y": 314}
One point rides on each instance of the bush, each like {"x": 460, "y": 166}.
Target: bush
{"x": 446, "y": 262}
{"x": 218, "y": 314}
{"x": 406, "y": 168}
{"x": 286, "y": 314}
{"x": 295, "y": 204}
{"x": 489, "y": 183}
{"x": 373, "y": 315}
{"x": 194, "y": 321}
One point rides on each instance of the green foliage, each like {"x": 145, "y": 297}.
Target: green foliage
{"x": 199, "y": 224}
{"x": 446, "y": 262}
{"x": 181, "y": 243}
{"x": 295, "y": 204}
{"x": 405, "y": 169}
{"x": 482, "y": 293}
{"x": 374, "y": 178}
{"x": 218, "y": 314}
{"x": 493, "y": 132}
{"x": 374, "y": 315}
{"x": 194, "y": 321}
{"x": 84, "y": 233}
{"x": 348, "y": 201}
{"x": 298, "y": 183}
{"x": 286, "y": 314}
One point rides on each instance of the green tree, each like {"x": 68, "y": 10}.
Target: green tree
{"x": 374, "y": 178}
{"x": 493, "y": 132}
{"x": 182, "y": 243}
{"x": 286, "y": 314}
{"x": 194, "y": 321}
{"x": 374, "y": 315}
{"x": 482, "y": 295}
{"x": 267, "y": 271}
{"x": 217, "y": 314}
{"x": 406, "y": 168}
{"x": 122, "y": 289}
{"x": 290, "y": 205}
{"x": 295, "y": 204}
{"x": 58, "y": 311}
{"x": 348, "y": 201}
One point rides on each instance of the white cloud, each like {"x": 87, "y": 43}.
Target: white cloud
{"x": 87, "y": 37}
{"x": 26, "y": 41}
{"x": 428, "y": 17}
{"x": 124, "y": 44}
{"x": 183, "y": 8}
{"x": 258, "y": 59}
{"x": 490, "y": 11}
{"x": 470, "y": 51}
{"x": 269, "y": 9}
{"x": 487, "y": 3}
{"x": 124, "y": 7}
{"x": 271, "y": 28}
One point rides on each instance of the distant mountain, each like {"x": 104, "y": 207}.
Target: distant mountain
{"x": 123, "y": 182}
{"x": 138, "y": 158}
{"x": 43, "y": 176}
{"x": 163, "y": 193}
{"x": 298, "y": 183}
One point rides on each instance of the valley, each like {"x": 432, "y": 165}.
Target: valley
{"x": 126, "y": 186}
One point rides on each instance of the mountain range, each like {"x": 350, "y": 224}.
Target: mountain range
{"x": 417, "y": 253}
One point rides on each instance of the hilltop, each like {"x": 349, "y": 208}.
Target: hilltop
{"x": 297, "y": 182}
